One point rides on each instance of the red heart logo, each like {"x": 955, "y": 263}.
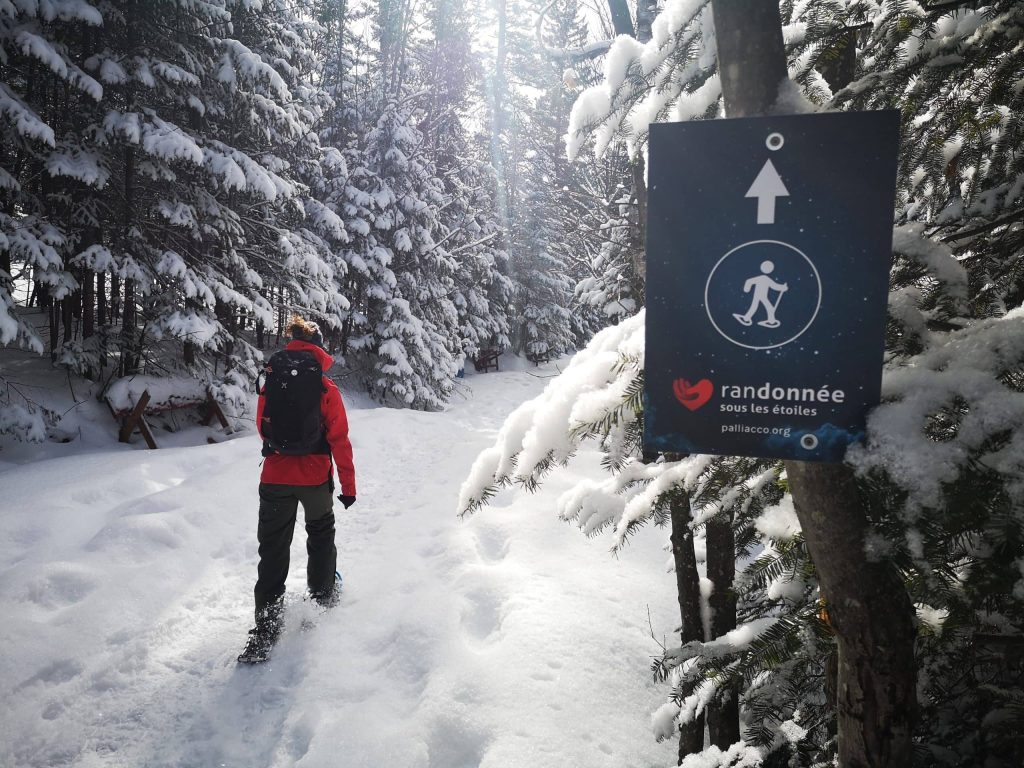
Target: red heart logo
{"x": 693, "y": 396}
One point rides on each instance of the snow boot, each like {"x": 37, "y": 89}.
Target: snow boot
{"x": 264, "y": 635}
{"x": 332, "y": 596}
{"x": 324, "y": 601}
{"x": 258, "y": 647}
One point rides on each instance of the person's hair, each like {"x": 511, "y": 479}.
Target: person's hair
{"x": 301, "y": 328}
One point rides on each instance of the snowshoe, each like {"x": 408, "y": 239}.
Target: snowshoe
{"x": 260, "y": 644}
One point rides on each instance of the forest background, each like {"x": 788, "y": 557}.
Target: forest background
{"x": 177, "y": 177}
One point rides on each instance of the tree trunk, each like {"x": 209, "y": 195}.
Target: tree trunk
{"x": 101, "y": 299}
{"x": 868, "y": 603}
{"x": 5, "y": 261}
{"x": 129, "y": 341}
{"x": 280, "y": 313}
{"x": 724, "y": 712}
{"x": 646, "y": 10}
{"x": 54, "y": 318}
{"x": 621, "y": 20}
{"x": 691, "y": 735}
{"x": 88, "y": 303}
{"x": 751, "y": 55}
{"x": 67, "y": 314}
{"x": 115, "y": 299}
{"x": 870, "y": 610}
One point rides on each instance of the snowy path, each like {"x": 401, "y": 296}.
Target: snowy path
{"x": 507, "y": 639}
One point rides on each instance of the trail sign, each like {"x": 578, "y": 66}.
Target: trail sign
{"x": 769, "y": 241}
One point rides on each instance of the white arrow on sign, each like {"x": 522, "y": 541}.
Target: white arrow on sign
{"x": 766, "y": 187}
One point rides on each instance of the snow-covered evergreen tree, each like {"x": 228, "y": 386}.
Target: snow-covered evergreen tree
{"x": 181, "y": 183}
{"x": 45, "y": 97}
{"x": 468, "y": 219}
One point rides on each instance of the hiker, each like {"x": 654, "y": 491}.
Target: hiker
{"x": 302, "y": 420}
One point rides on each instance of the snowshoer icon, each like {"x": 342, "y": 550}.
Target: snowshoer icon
{"x": 761, "y": 285}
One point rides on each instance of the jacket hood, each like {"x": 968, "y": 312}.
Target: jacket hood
{"x": 325, "y": 360}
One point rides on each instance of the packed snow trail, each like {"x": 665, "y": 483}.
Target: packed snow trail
{"x": 503, "y": 640}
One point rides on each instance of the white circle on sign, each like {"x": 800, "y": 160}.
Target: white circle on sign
{"x": 761, "y": 295}
{"x": 775, "y": 141}
{"x": 809, "y": 442}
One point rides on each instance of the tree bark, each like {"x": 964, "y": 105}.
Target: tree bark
{"x": 101, "y": 299}
{"x": 54, "y": 319}
{"x": 691, "y": 735}
{"x": 88, "y": 304}
{"x": 868, "y": 603}
{"x": 67, "y": 313}
{"x": 751, "y": 55}
{"x": 130, "y": 351}
{"x": 5, "y": 261}
{"x": 646, "y": 10}
{"x": 870, "y": 610}
{"x": 724, "y": 713}
{"x": 640, "y": 230}
{"x": 622, "y": 22}
{"x": 645, "y": 13}
{"x": 115, "y": 299}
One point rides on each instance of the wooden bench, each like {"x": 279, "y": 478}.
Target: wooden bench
{"x": 486, "y": 359}
{"x": 539, "y": 357}
{"x": 135, "y": 417}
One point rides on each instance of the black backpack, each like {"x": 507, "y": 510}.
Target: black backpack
{"x": 292, "y": 424}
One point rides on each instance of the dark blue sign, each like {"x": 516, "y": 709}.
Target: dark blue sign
{"x": 769, "y": 242}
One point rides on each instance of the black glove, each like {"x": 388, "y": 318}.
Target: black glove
{"x": 348, "y": 501}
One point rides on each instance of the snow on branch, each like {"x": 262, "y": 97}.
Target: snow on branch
{"x": 597, "y": 397}
{"x": 588, "y": 51}
{"x": 965, "y": 375}
{"x": 544, "y": 432}
{"x": 641, "y": 83}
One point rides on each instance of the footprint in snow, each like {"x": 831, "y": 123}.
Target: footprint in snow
{"x": 492, "y": 544}
{"x": 64, "y": 586}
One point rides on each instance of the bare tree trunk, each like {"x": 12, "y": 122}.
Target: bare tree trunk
{"x": 691, "y": 735}
{"x": 646, "y": 10}
{"x": 115, "y": 299}
{"x": 54, "y": 318}
{"x": 622, "y": 22}
{"x": 88, "y": 303}
{"x": 868, "y": 602}
{"x": 5, "y": 260}
{"x": 129, "y": 356}
{"x": 724, "y": 713}
{"x": 101, "y": 299}
{"x": 751, "y": 55}
{"x": 280, "y": 313}
{"x": 872, "y": 615}
{"x": 129, "y": 337}
{"x": 67, "y": 314}
{"x": 639, "y": 233}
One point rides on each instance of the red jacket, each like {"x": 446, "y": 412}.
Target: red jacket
{"x": 315, "y": 468}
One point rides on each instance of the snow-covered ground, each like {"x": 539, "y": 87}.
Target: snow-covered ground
{"x": 506, "y": 639}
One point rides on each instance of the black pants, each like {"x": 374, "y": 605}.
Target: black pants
{"x": 278, "y": 508}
